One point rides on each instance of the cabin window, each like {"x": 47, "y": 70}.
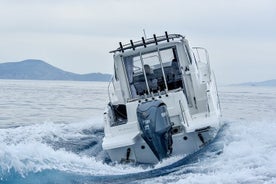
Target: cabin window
{"x": 153, "y": 72}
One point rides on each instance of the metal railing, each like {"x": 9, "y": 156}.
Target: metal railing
{"x": 145, "y": 42}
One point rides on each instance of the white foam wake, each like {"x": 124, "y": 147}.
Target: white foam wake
{"x": 249, "y": 156}
{"x": 25, "y": 150}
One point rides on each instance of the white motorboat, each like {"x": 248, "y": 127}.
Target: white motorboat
{"x": 163, "y": 100}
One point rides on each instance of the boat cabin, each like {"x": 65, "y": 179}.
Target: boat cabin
{"x": 150, "y": 68}
{"x": 156, "y": 67}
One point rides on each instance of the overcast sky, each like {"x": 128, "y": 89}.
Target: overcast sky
{"x": 76, "y": 36}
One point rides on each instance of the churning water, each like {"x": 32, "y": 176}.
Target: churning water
{"x": 51, "y": 132}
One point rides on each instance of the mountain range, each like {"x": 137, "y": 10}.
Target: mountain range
{"x": 33, "y": 69}
{"x": 262, "y": 83}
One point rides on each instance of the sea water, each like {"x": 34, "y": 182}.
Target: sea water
{"x": 51, "y": 132}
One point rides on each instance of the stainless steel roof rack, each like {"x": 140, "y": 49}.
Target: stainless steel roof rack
{"x": 145, "y": 42}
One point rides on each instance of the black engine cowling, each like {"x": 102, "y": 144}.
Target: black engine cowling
{"x": 156, "y": 127}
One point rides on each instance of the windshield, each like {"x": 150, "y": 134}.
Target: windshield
{"x": 146, "y": 72}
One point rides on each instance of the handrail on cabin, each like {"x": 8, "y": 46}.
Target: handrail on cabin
{"x": 145, "y": 42}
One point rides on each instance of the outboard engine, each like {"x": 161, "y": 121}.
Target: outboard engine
{"x": 156, "y": 127}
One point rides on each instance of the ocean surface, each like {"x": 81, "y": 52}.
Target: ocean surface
{"x": 51, "y": 132}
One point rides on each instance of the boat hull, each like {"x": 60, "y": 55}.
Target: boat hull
{"x": 183, "y": 144}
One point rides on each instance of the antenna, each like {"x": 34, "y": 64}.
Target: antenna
{"x": 144, "y": 31}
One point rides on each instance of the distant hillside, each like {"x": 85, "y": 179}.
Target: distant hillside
{"x": 39, "y": 70}
{"x": 263, "y": 83}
